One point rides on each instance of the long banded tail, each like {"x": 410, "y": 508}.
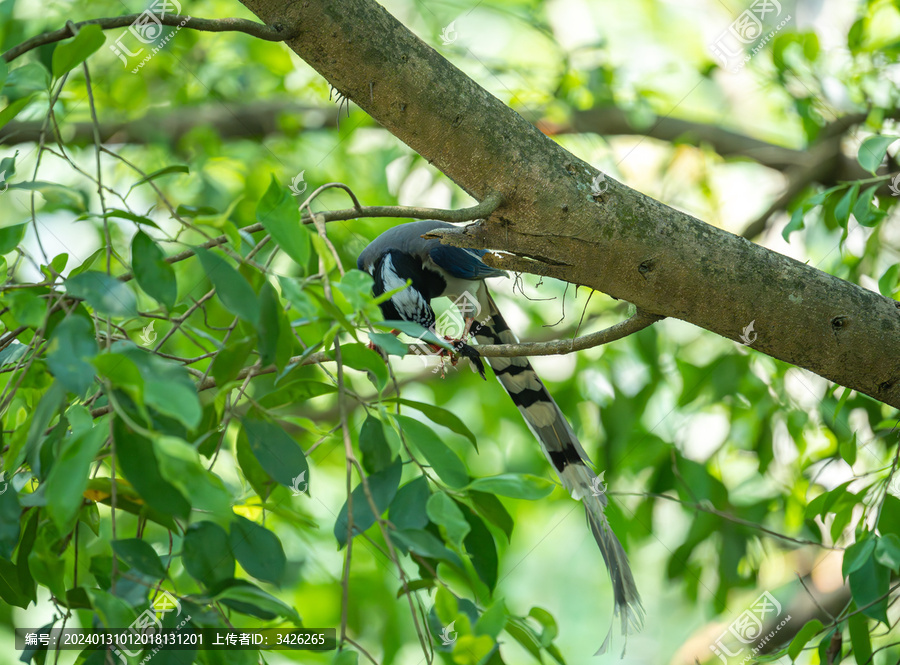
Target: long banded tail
{"x": 562, "y": 448}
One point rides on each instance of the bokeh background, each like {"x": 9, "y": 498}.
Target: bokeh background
{"x": 712, "y": 452}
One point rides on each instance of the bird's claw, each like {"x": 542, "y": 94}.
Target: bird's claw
{"x": 463, "y": 350}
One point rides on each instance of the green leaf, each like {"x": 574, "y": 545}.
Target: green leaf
{"x": 866, "y": 214}
{"x": 889, "y": 520}
{"x": 258, "y": 550}
{"x": 857, "y": 554}
{"x": 68, "y": 478}
{"x": 27, "y": 308}
{"x": 230, "y": 361}
{"x": 443, "y": 417}
{"x": 71, "y": 348}
{"x": 356, "y": 287}
{"x": 842, "y": 209}
{"x": 525, "y": 635}
{"x": 269, "y": 324}
{"x": 859, "y": 637}
{"x": 153, "y": 274}
{"x": 234, "y": 291}
{"x": 810, "y": 630}
{"x": 514, "y": 485}
{"x": 887, "y": 551}
{"x": 847, "y": 448}
{"x": 296, "y": 392}
{"x": 359, "y": 357}
{"x": 446, "y": 605}
{"x": 104, "y": 293}
{"x": 425, "y": 545}
{"x": 492, "y": 621}
{"x": 383, "y": 487}
{"x": 346, "y": 657}
{"x": 11, "y": 236}
{"x": 69, "y": 54}
{"x": 407, "y": 510}
{"x": 136, "y": 458}
{"x": 389, "y": 344}
{"x": 122, "y": 372}
{"x": 548, "y": 623}
{"x": 887, "y": 284}
{"x": 376, "y": 452}
{"x": 796, "y": 223}
{"x": 207, "y": 554}
{"x": 138, "y": 554}
{"x": 10, "y": 514}
{"x": 872, "y": 151}
{"x": 442, "y": 510}
{"x": 444, "y": 461}
{"x": 179, "y": 463}
{"x": 277, "y": 211}
{"x": 250, "y": 599}
{"x": 480, "y": 545}
{"x": 174, "y": 168}
{"x": 869, "y": 586}
{"x": 12, "y": 110}
{"x": 490, "y": 507}
{"x": 278, "y": 454}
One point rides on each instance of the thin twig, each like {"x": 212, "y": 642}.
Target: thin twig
{"x": 274, "y": 33}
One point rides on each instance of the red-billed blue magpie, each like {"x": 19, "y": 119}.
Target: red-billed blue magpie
{"x": 401, "y": 255}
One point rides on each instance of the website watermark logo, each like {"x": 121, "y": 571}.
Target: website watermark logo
{"x": 148, "y": 334}
{"x": 448, "y": 635}
{"x": 299, "y": 484}
{"x": 448, "y": 34}
{"x": 598, "y": 487}
{"x": 450, "y": 327}
{"x": 296, "y": 182}
{"x": 748, "y": 29}
{"x": 147, "y": 28}
{"x": 599, "y": 185}
{"x": 748, "y": 336}
{"x": 4, "y": 484}
{"x": 149, "y": 622}
{"x": 747, "y": 630}
{"x": 5, "y": 185}
{"x": 893, "y": 185}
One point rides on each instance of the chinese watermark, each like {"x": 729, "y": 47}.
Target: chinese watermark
{"x": 748, "y": 629}
{"x": 3, "y": 482}
{"x": 148, "y": 28}
{"x": 746, "y": 29}
{"x": 150, "y": 622}
{"x": 5, "y": 185}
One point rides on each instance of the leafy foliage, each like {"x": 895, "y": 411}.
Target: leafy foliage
{"x": 189, "y": 403}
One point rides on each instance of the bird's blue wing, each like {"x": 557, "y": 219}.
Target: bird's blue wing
{"x": 463, "y": 263}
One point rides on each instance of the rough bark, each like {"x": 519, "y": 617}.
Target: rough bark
{"x": 622, "y": 242}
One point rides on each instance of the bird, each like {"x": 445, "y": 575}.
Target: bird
{"x": 401, "y": 256}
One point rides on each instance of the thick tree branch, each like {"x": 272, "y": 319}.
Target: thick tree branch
{"x": 620, "y": 242}
{"x": 273, "y": 33}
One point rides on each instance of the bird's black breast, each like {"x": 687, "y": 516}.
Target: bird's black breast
{"x": 393, "y": 269}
